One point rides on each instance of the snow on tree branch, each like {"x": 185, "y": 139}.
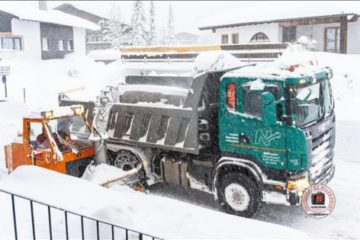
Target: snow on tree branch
{"x": 152, "y": 38}
{"x": 170, "y": 39}
{"x": 138, "y": 23}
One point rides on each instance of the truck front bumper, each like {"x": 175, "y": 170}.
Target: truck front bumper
{"x": 293, "y": 193}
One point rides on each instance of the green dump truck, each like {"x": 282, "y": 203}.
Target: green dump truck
{"x": 249, "y": 136}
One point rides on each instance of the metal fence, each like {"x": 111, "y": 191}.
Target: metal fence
{"x": 127, "y": 233}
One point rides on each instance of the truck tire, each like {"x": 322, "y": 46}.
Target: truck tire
{"x": 125, "y": 160}
{"x": 239, "y": 195}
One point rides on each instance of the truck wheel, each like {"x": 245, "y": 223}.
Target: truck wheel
{"x": 239, "y": 195}
{"x": 125, "y": 160}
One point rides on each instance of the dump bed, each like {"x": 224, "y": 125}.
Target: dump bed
{"x": 159, "y": 125}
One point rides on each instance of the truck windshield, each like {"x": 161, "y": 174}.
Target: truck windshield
{"x": 311, "y": 103}
{"x": 70, "y": 132}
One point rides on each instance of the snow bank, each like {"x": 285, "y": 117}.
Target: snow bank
{"x": 151, "y": 214}
{"x": 102, "y": 173}
{"x": 345, "y": 83}
{"x": 11, "y": 115}
{"x": 44, "y": 80}
{"x": 105, "y": 54}
{"x": 215, "y": 60}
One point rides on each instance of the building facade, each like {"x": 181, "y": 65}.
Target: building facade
{"x": 339, "y": 33}
{"x": 95, "y": 40}
{"x": 41, "y": 34}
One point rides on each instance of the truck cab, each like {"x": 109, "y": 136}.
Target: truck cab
{"x": 281, "y": 126}
{"x": 56, "y": 140}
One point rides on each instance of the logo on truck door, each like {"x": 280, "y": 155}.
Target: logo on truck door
{"x": 265, "y": 137}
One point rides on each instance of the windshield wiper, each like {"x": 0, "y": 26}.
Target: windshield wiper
{"x": 66, "y": 143}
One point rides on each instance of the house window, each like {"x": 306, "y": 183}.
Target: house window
{"x": 11, "y": 43}
{"x": 69, "y": 45}
{"x": 224, "y": 39}
{"x": 259, "y": 37}
{"x": 61, "y": 45}
{"x": 45, "y": 44}
{"x": 289, "y": 34}
{"x": 235, "y": 38}
{"x": 332, "y": 39}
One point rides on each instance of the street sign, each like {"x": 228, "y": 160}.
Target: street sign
{"x": 4, "y": 71}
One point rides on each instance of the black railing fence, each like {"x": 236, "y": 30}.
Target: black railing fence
{"x": 59, "y": 220}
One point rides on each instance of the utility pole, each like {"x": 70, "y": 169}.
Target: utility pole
{"x": 4, "y": 82}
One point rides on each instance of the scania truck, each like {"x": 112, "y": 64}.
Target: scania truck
{"x": 249, "y": 136}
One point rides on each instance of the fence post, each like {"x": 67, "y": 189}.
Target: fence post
{"x": 32, "y": 219}
{"x": 66, "y": 226}
{"x": 14, "y": 215}
{"x": 50, "y": 226}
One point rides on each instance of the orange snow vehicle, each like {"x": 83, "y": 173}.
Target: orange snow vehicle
{"x": 58, "y": 140}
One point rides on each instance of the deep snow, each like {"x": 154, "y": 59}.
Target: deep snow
{"x": 47, "y": 78}
{"x": 150, "y": 214}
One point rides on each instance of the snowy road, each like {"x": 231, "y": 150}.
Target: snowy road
{"x": 344, "y": 221}
{"x": 341, "y": 224}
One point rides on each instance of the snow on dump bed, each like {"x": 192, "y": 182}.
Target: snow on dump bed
{"x": 153, "y": 89}
{"x": 214, "y": 61}
{"x": 104, "y": 174}
{"x": 154, "y": 215}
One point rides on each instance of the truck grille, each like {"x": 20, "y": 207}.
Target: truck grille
{"x": 322, "y": 155}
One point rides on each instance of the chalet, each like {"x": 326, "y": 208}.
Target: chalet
{"x": 38, "y": 33}
{"x": 95, "y": 40}
{"x": 333, "y": 29}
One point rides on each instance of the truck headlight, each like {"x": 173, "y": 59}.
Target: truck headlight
{"x": 298, "y": 184}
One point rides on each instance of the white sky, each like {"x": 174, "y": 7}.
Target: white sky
{"x": 187, "y": 14}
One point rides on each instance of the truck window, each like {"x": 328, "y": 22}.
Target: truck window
{"x": 38, "y": 138}
{"x": 252, "y": 98}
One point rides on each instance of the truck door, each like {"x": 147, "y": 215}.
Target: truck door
{"x": 38, "y": 148}
{"x": 242, "y": 131}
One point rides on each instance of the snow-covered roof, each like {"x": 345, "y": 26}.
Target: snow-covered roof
{"x": 278, "y": 11}
{"x": 48, "y": 16}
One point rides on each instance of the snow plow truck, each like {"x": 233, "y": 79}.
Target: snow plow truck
{"x": 248, "y": 136}
{"x": 57, "y": 139}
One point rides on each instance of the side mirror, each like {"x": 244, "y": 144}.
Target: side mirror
{"x": 268, "y": 109}
{"x": 104, "y": 100}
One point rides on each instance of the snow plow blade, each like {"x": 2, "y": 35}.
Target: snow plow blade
{"x": 169, "y": 128}
{"x": 89, "y": 106}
